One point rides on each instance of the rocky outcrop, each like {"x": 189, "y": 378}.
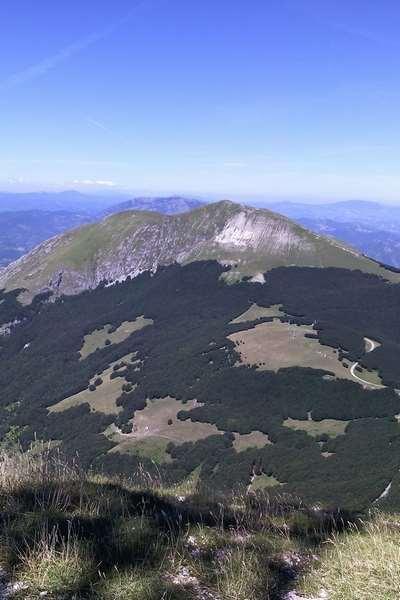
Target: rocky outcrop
{"x": 250, "y": 240}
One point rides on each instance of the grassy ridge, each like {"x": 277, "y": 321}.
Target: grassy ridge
{"x": 251, "y": 240}
{"x": 77, "y": 536}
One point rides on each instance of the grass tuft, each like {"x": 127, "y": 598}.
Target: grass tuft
{"x": 135, "y": 585}
{"x": 360, "y": 564}
{"x": 56, "y": 564}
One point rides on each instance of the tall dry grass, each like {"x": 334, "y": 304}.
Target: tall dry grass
{"x": 361, "y": 564}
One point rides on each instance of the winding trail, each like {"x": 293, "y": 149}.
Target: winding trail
{"x": 384, "y": 493}
{"x": 372, "y": 344}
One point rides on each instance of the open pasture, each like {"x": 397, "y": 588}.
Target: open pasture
{"x": 98, "y": 338}
{"x": 258, "y": 312}
{"x": 103, "y": 398}
{"x": 263, "y": 482}
{"x": 331, "y": 427}
{"x": 255, "y": 439}
{"x": 158, "y": 420}
{"x": 276, "y": 345}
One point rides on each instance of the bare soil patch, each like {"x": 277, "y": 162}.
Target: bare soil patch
{"x": 255, "y": 439}
{"x": 276, "y": 345}
{"x": 159, "y": 420}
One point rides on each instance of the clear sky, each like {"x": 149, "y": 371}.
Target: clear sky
{"x": 226, "y": 98}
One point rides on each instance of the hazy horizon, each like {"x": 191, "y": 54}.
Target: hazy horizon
{"x": 251, "y": 199}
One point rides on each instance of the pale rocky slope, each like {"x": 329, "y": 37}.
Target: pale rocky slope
{"x": 251, "y": 240}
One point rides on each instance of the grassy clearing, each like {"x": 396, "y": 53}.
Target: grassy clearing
{"x": 153, "y": 447}
{"x": 262, "y": 482}
{"x": 276, "y": 345}
{"x": 258, "y": 312}
{"x": 103, "y": 398}
{"x": 369, "y": 376}
{"x": 98, "y": 338}
{"x": 158, "y": 420}
{"x": 255, "y": 439}
{"x": 331, "y": 427}
{"x": 362, "y": 564}
{"x": 66, "y": 534}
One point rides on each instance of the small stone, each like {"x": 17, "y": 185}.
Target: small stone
{"x": 17, "y": 586}
{"x": 323, "y": 595}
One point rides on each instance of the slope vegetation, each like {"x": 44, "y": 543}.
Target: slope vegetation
{"x": 66, "y": 534}
{"x": 251, "y": 240}
{"x": 181, "y": 380}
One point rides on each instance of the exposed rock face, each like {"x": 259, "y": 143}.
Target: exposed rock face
{"x": 126, "y": 244}
{"x": 253, "y": 231}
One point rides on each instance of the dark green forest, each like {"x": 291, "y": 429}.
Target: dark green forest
{"x": 186, "y": 354}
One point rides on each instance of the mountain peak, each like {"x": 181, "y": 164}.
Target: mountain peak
{"x": 251, "y": 240}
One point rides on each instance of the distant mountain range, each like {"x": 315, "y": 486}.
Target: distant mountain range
{"x": 71, "y": 201}
{"x": 372, "y": 228}
{"x": 382, "y": 245}
{"x": 26, "y": 220}
{"x": 378, "y": 215}
{"x": 169, "y": 205}
{"x": 128, "y": 243}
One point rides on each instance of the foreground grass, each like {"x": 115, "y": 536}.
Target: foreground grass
{"x": 65, "y": 534}
{"x": 361, "y": 564}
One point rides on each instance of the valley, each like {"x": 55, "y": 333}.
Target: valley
{"x": 152, "y": 373}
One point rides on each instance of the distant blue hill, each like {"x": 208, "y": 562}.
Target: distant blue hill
{"x": 358, "y": 211}
{"x": 370, "y": 227}
{"x": 168, "y": 205}
{"x": 28, "y": 219}
{"x": 55, "y": 201}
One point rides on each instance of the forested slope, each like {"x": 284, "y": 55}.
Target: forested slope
{"x": 186, "y": 355}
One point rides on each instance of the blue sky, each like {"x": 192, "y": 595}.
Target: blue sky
{"x": 263, "y": 98}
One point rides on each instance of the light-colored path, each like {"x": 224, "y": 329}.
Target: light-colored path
{"x": 384, "y": 493}
{"x": 370, "y": 346}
